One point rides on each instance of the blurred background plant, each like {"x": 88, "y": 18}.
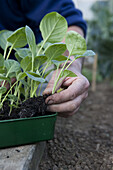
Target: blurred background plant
{"x": 100, "y": 36}
{"x": 99, "y": 16}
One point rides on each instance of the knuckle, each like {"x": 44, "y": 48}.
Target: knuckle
{"x": 56, "y": 97}
{"x": 85, "y": 96}
{"x": 87, "y": 84}
{"x": 51, "y": 108}
{"x": 73, "y": 107}
{"x": 73, "y": 95}
{"x": 71, "y": 113}
{"x": 77, "y": 104}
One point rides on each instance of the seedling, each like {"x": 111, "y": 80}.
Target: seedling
{"x": 32, "y": 63}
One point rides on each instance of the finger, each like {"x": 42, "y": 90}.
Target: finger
{"x": 48, "y": 89}
{"x": 68, "y": 114}
{"x": 68, "y": 81}
{"x": 75, "y": 89}
{"x": 13, "y": 80}
{"x": 69, "y": 106}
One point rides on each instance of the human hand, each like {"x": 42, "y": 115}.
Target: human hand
{"x": 68, "y": 101}
{"x": 7, "y": 85}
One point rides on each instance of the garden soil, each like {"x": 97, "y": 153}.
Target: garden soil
{"x": 84, "y": 141}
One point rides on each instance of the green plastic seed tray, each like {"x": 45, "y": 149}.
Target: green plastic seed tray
{"x": 23, "y": 131}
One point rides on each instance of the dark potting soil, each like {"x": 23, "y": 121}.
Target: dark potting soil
{"x": 32, "y": 107}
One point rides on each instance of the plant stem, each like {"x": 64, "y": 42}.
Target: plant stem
{"x": 43, "y": 71}
{"x": 10, "y": 51}
{"x": 6, "y": 76}
{"x": 40, "y": 89}
{"x": 59, "y": 82}
{"x": 17, "y": 91}
{"x": 31, "y": 95}
{"x": 0, "y": 97}
{"x": 41, "y": 47}
{"x": 56, "y": 81}
{"x": 54, "y": 86}
{"x": 70, "y": 63}
{"x": 9, "y": 91}
{"x": 27, "y": 89}
{"x": 5, "y": 51}
{"x": 32, "y": 62}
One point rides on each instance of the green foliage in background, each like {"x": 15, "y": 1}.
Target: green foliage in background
{"x": 87, "y": 72}
{"x": 100, "y": 37}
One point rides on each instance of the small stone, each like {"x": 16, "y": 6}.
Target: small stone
{"x": 73, "y": 162}
{"x": 55, "y": 167}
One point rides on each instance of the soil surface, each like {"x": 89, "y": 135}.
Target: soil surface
{"x": 32, "y": 107}
{"x": 84, "y": 141}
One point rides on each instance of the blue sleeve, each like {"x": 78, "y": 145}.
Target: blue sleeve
{"x": 73, "y": 15}
{"x": 36, "y": 9}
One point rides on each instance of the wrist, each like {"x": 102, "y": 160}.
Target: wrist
{"x": 76, "y": 29}
{"x": 76, "y": 66}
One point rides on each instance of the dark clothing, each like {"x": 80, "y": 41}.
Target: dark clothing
{"x": 18, "y": 13}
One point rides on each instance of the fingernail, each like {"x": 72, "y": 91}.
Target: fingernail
{"x": 50, "y": 102}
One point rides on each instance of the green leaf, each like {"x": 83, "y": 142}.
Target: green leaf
{"x": 18, "y": 38}
{"x": 3, "y": 90}
{"x": 39, "y": 60}
{"x": 53, "y": 27}
{"x": 48, "y": 72}
{"x": 2, "y": 70}
{"x": 3, "y": 78}
{"x": 18, "y": 57}
{"x": 37, "y": 72}
{"x": 61, "y": 58}
{"x": 57, "y": 63}
{"x": 12, "y": 97}
{"x": 26, "y": 63}
{"x": 86, "y": 54}
{"x": 22, "y": 90}
{"x": 24, "y": 82}
{"x": 35, "y": 77}
{"x": 3, "y": 38}
{"x": 1, "y": 60}
{"x": 45, "y": 46}
{"x": 13, "y": 105}
{"x": 31, "y": 39}
{"x": 55, "y": 50}
{"x": 1, "y": 105}
{"x": 21, "y": 76}
{"x": 89, "y": 53}
{"x": 68, "y": 73}
{"x": 12, "y": 66}
{"x": 24, "y": 52}
{"x": 75, "y": 43}
{"x": 12, "y": 74}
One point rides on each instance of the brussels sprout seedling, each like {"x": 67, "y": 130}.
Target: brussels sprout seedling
{"x": 30, "y": 69}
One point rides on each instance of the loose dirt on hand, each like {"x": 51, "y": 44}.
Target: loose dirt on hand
{"x": 84, "y": 141}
